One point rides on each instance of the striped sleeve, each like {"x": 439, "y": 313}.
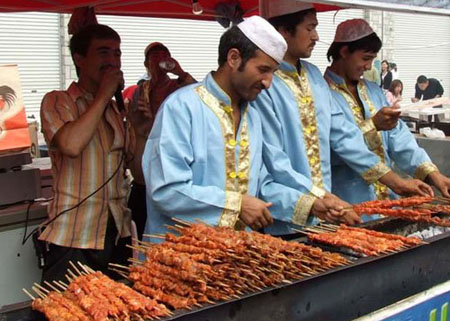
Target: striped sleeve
{"x": 56, "y": 110}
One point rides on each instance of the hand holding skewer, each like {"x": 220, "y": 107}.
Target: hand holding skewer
{"x": 332, "y": 209}
{"x": 441, "y": 182}
{"x": 255, "y": 212}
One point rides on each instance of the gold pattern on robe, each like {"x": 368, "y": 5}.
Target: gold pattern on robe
{"x": 301, "y": 89}
{"x": 236, "y": 177}
{"x": 372, "y": 137}
{"x": 424, "y": 169}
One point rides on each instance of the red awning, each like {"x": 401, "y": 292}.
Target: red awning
{"x": 146, "y": 8}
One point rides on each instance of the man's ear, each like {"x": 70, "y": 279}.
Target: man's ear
{"x": 234, "y": 58}
{"x": 344, "y": 52}
{"x": 284, "y": 33}
{"x": 78, "y": 59}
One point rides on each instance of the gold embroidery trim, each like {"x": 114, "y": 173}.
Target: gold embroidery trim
{"x": 301, "y": 89}
{"x": 236, "y": 183}
{"x": 367, "y": 126}
{"x": 372, "y": 137}
{"x": 317, "y": 192}
{"x": 303, "y": 208}
{"x": 424, "y": 169}
{"x": 372, "y": 175}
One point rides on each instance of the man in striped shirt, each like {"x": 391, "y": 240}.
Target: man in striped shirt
{"x": 89, "y": 147}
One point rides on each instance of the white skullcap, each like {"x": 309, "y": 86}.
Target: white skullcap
{"x": 275, "y": 8}
{"x": 264, "y": 36}
{"x": 351, "y": 30}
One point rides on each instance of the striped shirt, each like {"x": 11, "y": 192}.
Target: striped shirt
{"x": 75, "y": 178}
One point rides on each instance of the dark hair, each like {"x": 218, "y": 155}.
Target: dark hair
{"x": 234, "y": 38}
{"x": 422, "y": 79}
{"x": 81, "y": 40}
{"x": 394, "y": 84}
{"x": 370, "y": 43}
{"x": 290, "y": 21}
{"x": 156, "y": 48}
{"x": 387, "y": 64}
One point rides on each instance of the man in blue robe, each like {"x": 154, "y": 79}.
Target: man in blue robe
{"x": 203, "y": 158}
{"x": 362, "y": 102}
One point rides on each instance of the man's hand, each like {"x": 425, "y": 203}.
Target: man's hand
{"x": 255, "y": 213}
{"x": 411, "y": 187}
{"x": 141, "y": 118}
{"x": 441, "y": 182}
{"x": 112, "y": 79}
{"x": 386, "y": 118}
{"x": 177, "y": 70}
{"x": 332, "y": 209}
{"x": 414, "y": 100}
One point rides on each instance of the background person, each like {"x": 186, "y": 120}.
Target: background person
{"x": 428, "y": 88}
{"x": 386, "y": 75}
{"x": 394, "y": 94}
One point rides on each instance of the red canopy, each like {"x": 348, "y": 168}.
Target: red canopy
{"x": 149, "y": 8}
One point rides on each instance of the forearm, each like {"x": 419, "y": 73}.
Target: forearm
{"x": 392, "y": 180}
{"x": 135, "y": 159}
{"x": 73, "y": 137}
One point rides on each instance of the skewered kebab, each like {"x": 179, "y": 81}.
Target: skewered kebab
{"x": 363, "y": 241}
{"x": 417, "y": 209}
{"x": 216, "y": 264}
{"x": 92, "y": 296}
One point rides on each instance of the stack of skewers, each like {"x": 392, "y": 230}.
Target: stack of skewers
{"x": 201, "y": 264}
{"x": 198, "y": 265}
{"x": 93, "y": 296}
{"x": 360, "y": 240}
{"x": 416, "y": 209}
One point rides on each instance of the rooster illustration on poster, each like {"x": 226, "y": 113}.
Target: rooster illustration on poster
{"x": 14, "y": 133}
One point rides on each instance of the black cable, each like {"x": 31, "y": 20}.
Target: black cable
{"x": 73, "y": 207}
{"x": 27, "y": 216}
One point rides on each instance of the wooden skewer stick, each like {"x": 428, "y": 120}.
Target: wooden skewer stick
{"x": 155, "y": 236}
{"x": 60, "y": 285}
{"x": 64, "y": 284}
{"x": 29, "y": 294}
{"x": 72, "y": 274}
{"x": 40, "y": 287}
{"x": 51, "y": 286}
{"x": 68, "y": 278}
{"x": 89, "y": 270}
{"x": 38, "y": 292}
{"x": 145, "y": 244}
{"x": 127, "y": 268}
{"x": 178, "y": 220}
{"x": 138, "y": 248}
{"x": 174, "y": 228}
{"x": 84, "y": 267}
{"x": 75, "y": 268}
{"x": 135, "y": 261}
{"x": 121, "y": 273}
{"x": 136, "y": 315}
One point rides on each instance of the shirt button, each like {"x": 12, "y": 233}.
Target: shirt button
{"x": 243, "y": 143}
{"x": 232, "y": 142}
{"x": 233, "y": 175}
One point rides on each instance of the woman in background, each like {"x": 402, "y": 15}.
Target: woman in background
{"x": 386, "y": 76}
{"x": 394, "y": 94}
